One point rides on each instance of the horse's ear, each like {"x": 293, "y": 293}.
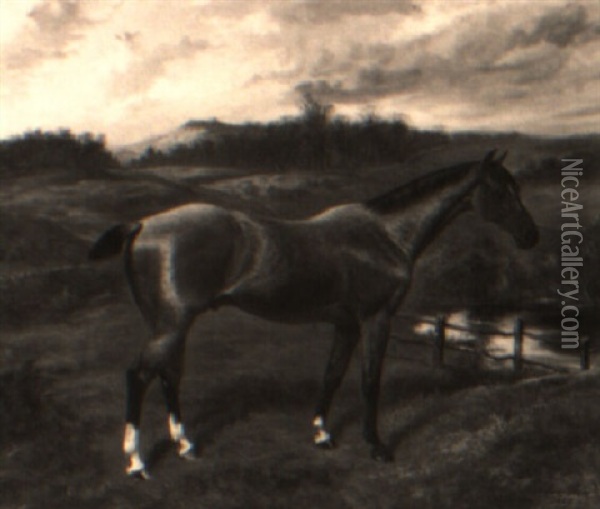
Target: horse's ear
{"x": 489, "y": 157}
{"x": 502, "y": 157}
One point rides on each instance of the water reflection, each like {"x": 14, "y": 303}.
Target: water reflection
{"x": 493, "y": 336}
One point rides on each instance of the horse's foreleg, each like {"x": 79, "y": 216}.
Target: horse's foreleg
{"x": 346, "y": 338}
{"x": 375, "y": 338}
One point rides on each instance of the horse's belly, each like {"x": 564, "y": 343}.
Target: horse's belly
{"x": 323, "y": 297}
{"x": 289, "y": 301}
{"x": 286, "y": 315}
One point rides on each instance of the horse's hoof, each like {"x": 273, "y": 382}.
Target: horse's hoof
{"x": 382, "y": 453}
{"x": 141, "y": 474}
{"x": 189, "y": 455}
{"x": 136, "y": 468}
{"x": 326, "y": 444}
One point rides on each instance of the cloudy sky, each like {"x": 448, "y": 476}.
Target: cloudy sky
{"x": 134, "y": 68}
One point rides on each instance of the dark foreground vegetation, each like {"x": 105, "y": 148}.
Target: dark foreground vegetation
{"x": 39, "y": 150}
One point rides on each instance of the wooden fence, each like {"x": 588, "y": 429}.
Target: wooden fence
{"x": 440, "y": 344}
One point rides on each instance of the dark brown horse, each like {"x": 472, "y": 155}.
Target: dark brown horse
{"x": 350, "y": 266}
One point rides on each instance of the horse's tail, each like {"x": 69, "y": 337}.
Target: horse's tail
{"x": 111, "y": 242}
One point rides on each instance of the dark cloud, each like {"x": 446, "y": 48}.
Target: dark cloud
{"x": 561, "y": 27}
{"x": 325, "y": 91}
{"x": 371, "y": 83}
{"x": 55, "y": 17}
{"x": 328, "y": 11}
{"x": 56, "y": 25}
{"x": 385, "y": 81}
{"x": 526, "y": 69}
{"x": 470, "y": 62}
{"x": 544, "y": 69}
{"x": 230, "y": 9}
{"x": 591, "y": 111}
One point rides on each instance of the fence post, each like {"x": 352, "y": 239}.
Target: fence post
{"x": 585, "y": 354}
{"x": 439, "y": 341}
{"x": 518, "y": 345}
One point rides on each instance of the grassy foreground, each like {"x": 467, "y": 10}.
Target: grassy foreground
{"x": 462, "y": 438}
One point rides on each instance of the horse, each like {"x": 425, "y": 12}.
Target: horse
{"x": 349, "y": 266}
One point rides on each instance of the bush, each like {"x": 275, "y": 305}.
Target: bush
{"x": 62, "y": 149}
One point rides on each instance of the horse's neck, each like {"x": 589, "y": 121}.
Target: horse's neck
{"x": 415, "y": 225}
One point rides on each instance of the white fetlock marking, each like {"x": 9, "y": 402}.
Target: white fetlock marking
{"x": 177, "y": 433}
{"x": 185, "y": 447}
{"x": 321, "y": 437}
{"x": 131, "y": 442}
{"x": 321, "y": 434}
{"x": 131, "y": 446}
{"x": 175, "y": 428}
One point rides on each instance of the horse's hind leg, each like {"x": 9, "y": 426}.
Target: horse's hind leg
{"x": 346, "y": 338}
{"x": 162, "y": 356}
{"x": 170, "y": 380}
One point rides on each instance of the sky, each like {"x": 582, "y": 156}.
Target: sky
{"x": 131, "y": 69}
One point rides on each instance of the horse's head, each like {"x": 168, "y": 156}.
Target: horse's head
{"x": 497, "y": 199}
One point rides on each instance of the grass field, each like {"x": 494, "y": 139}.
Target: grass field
{"x": 463, "y": 437}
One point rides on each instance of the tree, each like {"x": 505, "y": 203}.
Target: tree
{"x": 315, "y": 118}
{"x": 36, "y": 150}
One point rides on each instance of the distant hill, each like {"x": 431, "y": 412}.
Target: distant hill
{"x": 188, "y": 134}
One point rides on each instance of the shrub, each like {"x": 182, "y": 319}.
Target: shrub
{"x": 62, "y": 149}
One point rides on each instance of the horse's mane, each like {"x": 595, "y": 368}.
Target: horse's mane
{"x": 417, "y": 188}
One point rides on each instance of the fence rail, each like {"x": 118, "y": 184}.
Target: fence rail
{"x": 440, "y": 344}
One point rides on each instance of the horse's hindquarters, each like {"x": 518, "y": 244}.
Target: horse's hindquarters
{"x": 183, "y": 259}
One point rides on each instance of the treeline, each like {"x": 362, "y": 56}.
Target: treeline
{"x": 62, "y": 149}
{"x": 313, "y": 140}
{"x": 291, "y": 144}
